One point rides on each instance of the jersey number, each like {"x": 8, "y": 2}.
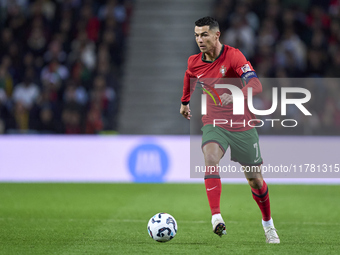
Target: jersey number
{"x": 256, "y": 146}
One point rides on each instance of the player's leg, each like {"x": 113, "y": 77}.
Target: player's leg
{"x": 260, "y": 193}
{"x": 212, "y": 155}
{"x": 214, "y": 145}
{"x": 259, "y": 190}
{"x": 245, "y": 149}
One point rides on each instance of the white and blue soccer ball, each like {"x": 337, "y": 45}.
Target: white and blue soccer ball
{"x": 162, "y": 227}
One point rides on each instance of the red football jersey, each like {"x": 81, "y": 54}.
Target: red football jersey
{"x": 231, "y": 66}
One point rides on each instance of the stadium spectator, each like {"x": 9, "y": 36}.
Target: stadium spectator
{"x": 71, "y": 120}
{"x": 102, "y": 97}
{"x": 75, "y": 94}
{"x": 26, "y": 92}
{"x": 113, "y": 9}
{"x": 334, "y": 69}
{"x": 6, "y": 40}
{"x": 291, "y": 52}
{"x": 6, "y": 79}
{"x": 19, "y": 119}
{"x": 94, "y": 121}
{"x": 45, "y": 122}
{"x": 55, "y": 51}
{"x": 84, "y": 49}
{"x": 240, "y": 35}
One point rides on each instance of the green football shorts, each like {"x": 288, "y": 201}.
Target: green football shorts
{"x": 244, "y": 145}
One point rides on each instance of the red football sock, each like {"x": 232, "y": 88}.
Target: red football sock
{"x": 213, "y": 188}
{"x": 261, "y": 196}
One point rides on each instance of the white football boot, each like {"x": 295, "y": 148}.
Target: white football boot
{"x": 218, "y": 225}
{"x": 271, "y": 235}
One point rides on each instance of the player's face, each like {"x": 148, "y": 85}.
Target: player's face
{"x": 206, "y": 39}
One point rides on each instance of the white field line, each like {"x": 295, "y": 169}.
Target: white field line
{"x": 180, "y": 221}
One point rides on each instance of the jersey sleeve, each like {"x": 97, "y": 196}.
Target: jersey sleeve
{"x": 242, "y": 66}
{"x": 188, "y": 87}
{"x": 247, "y": 73}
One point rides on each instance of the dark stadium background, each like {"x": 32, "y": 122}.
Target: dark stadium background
{"x": 67, "y": 67}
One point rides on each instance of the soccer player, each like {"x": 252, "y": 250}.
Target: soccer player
{"x": 222, "y": 61}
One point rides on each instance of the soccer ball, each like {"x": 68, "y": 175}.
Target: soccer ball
{"x": 162, "y": 227}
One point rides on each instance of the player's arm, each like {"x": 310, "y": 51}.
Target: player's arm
{"x": 248, "y": 75}
{"x": 251, "y": 82}
{"x": 187, "y": 91}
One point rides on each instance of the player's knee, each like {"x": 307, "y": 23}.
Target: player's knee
{"x": 255, "y": 183}
{"x": 211, "y": 159}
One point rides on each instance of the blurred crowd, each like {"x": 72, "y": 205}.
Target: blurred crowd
{"x": 61, "y": 60}
{"x": 60, "y": 64}
{"x": 289, "y": 38}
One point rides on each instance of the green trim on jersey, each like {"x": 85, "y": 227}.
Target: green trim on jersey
{"x": 243, "y": 82}
{"x": 207, "y": 61}
{"x": 244, "y": 145}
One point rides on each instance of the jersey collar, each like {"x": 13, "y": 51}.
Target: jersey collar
{"x": 207, "y": 61}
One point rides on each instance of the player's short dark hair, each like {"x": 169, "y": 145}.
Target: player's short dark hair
{"x": 207, "y": 21}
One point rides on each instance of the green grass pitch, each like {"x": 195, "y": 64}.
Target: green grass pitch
{"x": 112, "y": 219}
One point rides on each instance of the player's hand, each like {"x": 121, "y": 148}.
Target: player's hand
{"x": 226, "y": 99}
{"x": 185, "y": 111}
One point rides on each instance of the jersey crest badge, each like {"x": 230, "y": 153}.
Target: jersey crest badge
{"x": 223, "y": 70}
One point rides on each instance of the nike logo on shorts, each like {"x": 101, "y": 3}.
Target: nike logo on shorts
{"x": 256, "y": 160}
